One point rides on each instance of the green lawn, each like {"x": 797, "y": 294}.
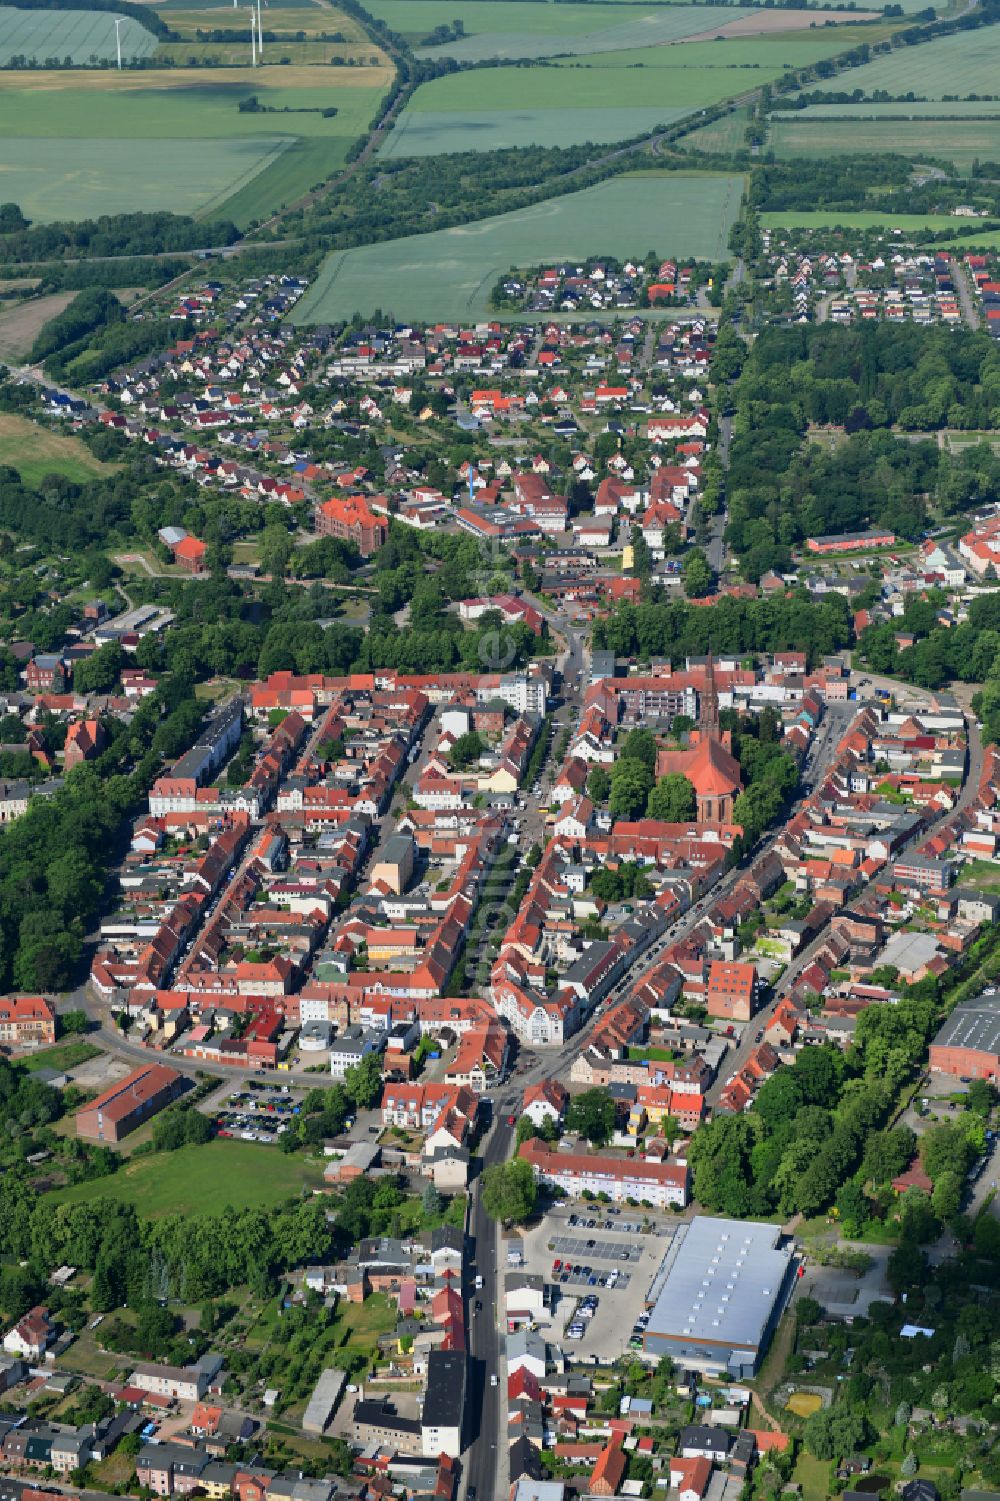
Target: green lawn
{"x": 984, "y": 874}
{"x": 63, "y": 1056}
{"x": 80, "y": 35}
{"x": 203, "y": 1180}
{"x": 813, "y": 1475}
{"x": 449, "y": 274}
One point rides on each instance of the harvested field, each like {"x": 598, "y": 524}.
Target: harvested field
{"x": 20, "y": 325}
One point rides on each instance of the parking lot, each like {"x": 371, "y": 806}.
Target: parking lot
{"x": 259, "y": 1112}
{"x": 600, "y": 1308}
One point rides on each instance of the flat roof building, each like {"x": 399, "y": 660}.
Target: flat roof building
{"x": 322, "y": 1403}
{"x": 444, "y": 1403}
{"x": 723, "y": 1289}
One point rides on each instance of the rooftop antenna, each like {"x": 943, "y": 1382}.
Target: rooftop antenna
{"x": 118, "y": 38}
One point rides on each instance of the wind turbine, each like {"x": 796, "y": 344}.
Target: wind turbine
{"x": 118, "y": 38}
{"x": 260, "y": 31}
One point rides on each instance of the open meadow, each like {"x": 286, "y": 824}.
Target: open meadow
{"x": 34, "y": 452}
{"x": 202, "y": 1180}
{"x": 450, "y": 274}
{"x": 78, "y": 145}
{"x": 84, "y": 37}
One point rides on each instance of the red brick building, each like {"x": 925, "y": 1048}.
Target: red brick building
{"x": 352, "y": 519}
{"x": 189, "y": 552}
{"x": 46, "y": 674}
{"x": 968, "y": 1045}
{"x": 850, "y": 542}
{"x": 129, "y": 1103}
{"x": 85, "y": 739}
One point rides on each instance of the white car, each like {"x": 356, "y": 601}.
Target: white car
{"x": 493, "y": 1379}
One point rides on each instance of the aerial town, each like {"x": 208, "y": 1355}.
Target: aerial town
{"x": 499, "y": 752}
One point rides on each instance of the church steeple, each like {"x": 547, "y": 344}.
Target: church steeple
{"x": 708, "y": 716}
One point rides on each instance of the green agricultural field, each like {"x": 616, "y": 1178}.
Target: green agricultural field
{"x": 697, "y": 73}
{"x": 909, "y": 224}
{"x": 415, "y": 19}
{"x": 199, "y": 106}
{"x": 958, "y": 141}
{"x": 177, "y": 140}
{"x": 420, "y": 133}
{"x": 53, "y": 179}
{"x": 202, "y": 1180}
{"x": 650, "y": 28}
{"x": 83, "y": 36}
{"x": 727, "y": 134}
{"x": 558, "y": 106}
{"x": 780, "y": 50}
{"x": 966, "y": 62}
{"x": 927, "y": 109}
{"x": 450, "y": 274}
{"x": 590, "y": 33}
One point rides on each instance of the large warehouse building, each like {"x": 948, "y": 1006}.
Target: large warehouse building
{"x": 723, "y": 1287}
{"x": 129, "y": 1103}
{"x": 968, "y": 1045}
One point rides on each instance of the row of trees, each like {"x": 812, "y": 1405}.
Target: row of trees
{"x": 110, "y": 234}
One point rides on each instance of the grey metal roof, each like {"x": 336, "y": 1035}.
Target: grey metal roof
{"x": 976, "y": 1025}
{"x": 722, "y": 1282}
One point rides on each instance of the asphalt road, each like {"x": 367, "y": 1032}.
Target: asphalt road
{"x": 487, "y": 1446}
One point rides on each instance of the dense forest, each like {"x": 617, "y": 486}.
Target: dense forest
{"x": 782, "y": 489}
